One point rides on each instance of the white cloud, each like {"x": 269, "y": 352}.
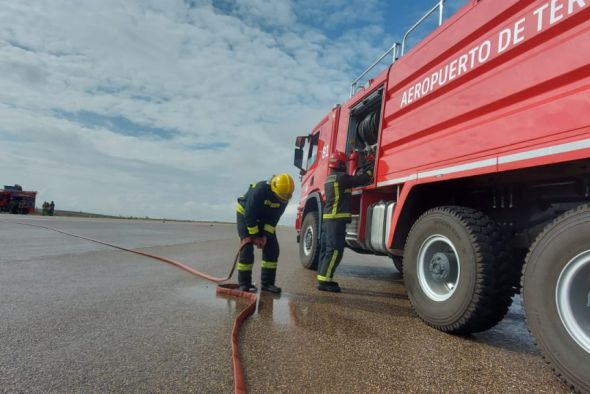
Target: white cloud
{"x": 277, "y": 13}
{"x": 252, "y": 74}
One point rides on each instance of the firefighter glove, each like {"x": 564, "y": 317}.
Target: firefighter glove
{"x": 260, "y": 242}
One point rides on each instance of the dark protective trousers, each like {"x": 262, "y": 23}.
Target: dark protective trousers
{"x": 270, "y": 257}
{"x": 332, "y": 245}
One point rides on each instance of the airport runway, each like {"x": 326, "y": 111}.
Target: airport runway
{"x": 82, "y": 317}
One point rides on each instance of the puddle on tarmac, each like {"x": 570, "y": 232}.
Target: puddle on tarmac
{"x": 284, "y": 309}
{"x": 206, "y": 294}
{"x": 288, "y": 309}
{"x": 383, "y": 274}
{"x": 511, "y": 333}
{"x": 303, "y": 311}
{"x": 277, "y": 308}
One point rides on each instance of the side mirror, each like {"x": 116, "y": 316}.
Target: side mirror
{"x": 298, "y": 161}
{"x": 300, "y": 141}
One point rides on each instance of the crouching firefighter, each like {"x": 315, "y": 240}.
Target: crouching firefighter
{"x": 258, "y": 212}
{"x": 338, "y": 191}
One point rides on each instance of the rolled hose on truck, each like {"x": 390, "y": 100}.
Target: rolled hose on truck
{"x": 230, "y": 289}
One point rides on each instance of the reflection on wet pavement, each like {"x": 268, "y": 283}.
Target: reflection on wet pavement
{"x": 368, "y": 339}
{"x": 511, "y": 333}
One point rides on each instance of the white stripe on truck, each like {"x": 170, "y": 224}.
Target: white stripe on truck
{"x": 547, "y": 151}
{"x": 532, "y": 154}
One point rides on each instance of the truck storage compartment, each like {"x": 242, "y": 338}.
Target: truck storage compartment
{"x": 352, "y": 235}
{"x": 377, "y": 228}
{"x": 379, "y": 225}
{"x": 369, "y": 226}
{"x": 388, "y": 216}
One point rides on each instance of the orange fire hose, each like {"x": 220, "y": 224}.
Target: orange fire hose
{"x": 230, "y": 289}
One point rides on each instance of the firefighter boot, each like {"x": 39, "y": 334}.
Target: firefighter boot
{"x": 329, "y": 286}
{"x": 245, "y": 281}
{"x": 267, "y": 277}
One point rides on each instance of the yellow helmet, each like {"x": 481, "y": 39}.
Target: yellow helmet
{"x": 282, "y": 186}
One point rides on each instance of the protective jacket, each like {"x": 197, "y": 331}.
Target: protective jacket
{"x": 338, "y": 190}
{"x": 261, "y": 209}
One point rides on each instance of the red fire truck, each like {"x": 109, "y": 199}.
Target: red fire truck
{"x": 14, "y": 200}
{"x": 479, "y": 139}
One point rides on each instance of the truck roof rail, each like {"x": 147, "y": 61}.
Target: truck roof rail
{"x": 398, "y": 49}
{"x": 440, "y": 7}
{"x": 393, "y": 49}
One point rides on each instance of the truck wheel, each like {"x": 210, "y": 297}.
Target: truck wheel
{"x": 556, "y": 296}
{"x": 309, "y": 245}
{"x": 398, "y": 262}
{"x": 452, "y": 265}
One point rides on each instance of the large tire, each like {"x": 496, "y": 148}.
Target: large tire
{"x": 309, "y": 243}
{"x": 556, "y": 296}
{"x": 453, "y": 263}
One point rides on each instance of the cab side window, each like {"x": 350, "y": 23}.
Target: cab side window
{"x": 312, "y": 156}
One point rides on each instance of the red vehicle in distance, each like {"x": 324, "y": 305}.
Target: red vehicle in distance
{"x": 14, "y": 200}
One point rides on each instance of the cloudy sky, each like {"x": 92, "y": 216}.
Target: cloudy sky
{"x": 170, "y": 108}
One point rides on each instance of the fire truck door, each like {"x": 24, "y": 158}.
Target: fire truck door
{"x": 316, "y": 160}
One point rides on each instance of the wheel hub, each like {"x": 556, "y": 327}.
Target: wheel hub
{"x": 308, "y": 240}
{"x": 438, "y": 268}
{"x": 572, "y": 296}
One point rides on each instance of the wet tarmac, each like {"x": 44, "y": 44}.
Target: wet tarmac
{"x": 82, "y": 317}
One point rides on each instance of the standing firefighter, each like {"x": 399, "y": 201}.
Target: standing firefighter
{"x": 259, "y": 211}
{"x": 338, "y": 190}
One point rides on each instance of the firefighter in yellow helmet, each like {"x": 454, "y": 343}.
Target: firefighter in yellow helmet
{"x": 258, "y": 212}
